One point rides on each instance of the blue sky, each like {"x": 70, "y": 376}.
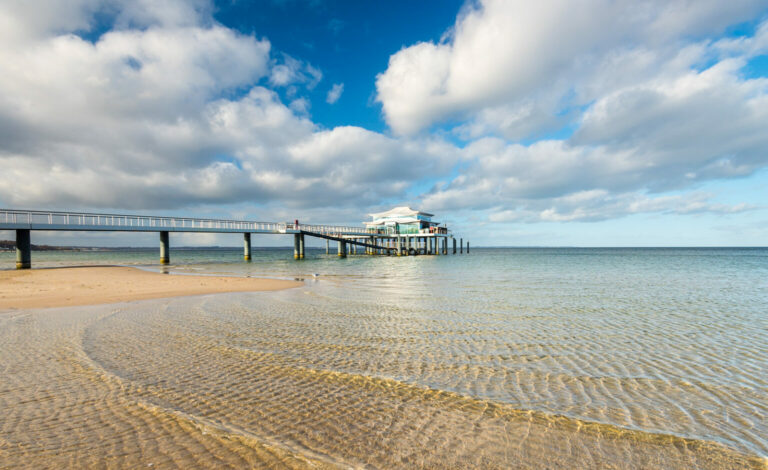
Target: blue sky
{"x": 349, "y": 41}
{"x": 518, "y": 123}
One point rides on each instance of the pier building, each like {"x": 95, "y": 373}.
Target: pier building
{"x": 401, "y": 220}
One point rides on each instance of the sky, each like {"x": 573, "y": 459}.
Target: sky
{"x": 551, "y": 123}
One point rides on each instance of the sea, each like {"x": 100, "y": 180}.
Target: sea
{"x": 498, "y": 358}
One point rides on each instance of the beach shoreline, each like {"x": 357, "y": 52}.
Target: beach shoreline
{"x": 94, "y": 285}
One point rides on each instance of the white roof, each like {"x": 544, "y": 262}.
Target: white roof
{"x": 395, "y": 220}
{"x": 402, "y": 211}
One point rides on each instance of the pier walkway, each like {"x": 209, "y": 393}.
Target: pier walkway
{"x": 25, "y": 221}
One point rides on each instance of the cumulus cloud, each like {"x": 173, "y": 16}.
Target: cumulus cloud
{"x": 334, "y": 93}
{"x": 552, "y": 53}
{"x": 292, "y": 71}
{"x": 644, "y": 97}
{"x": 568, "y": 113}
{"x": 170, "y": 109}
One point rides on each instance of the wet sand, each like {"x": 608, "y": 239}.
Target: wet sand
{"x": 64, "y": 287}
{"x": 290, "y": 379}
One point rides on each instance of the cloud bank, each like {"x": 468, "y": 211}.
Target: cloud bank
{"x": 523, "y": 112}
{"x": 614, "y": 100}
{"x": 169, "y": 109}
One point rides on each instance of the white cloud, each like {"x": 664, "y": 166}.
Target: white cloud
{"x": 292, "y": 71}
{"x": 170, "y": 109}
{"x": 599, "y": 205}
{"x": 143, "y": 118}
{"x": 552, "y": 52}
{"x": 334, "y": 93}
{"x": 645, "y": 96}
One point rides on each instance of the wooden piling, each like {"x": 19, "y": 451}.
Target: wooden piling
{"x": 165, "y": 248}
{"x": 247, "y": 246}
{"x": 23, "y": 249}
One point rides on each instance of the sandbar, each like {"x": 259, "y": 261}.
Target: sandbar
{"x": 63, "y": 287}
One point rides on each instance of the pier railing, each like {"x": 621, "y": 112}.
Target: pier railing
{"x": 53, "y": 220}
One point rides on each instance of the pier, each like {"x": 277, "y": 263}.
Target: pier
{"x": 371, "y": 240}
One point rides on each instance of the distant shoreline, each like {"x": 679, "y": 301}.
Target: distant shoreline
{"x": 71, "y": 286}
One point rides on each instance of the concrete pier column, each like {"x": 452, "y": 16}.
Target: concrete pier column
{"x": 445, "y": 245}
{"x": 399, "y": 246}
{"x": 165, "y": 248}
{"x": 327, "y": 246}
{"x": 247, "y": 246}
{"x": 23, "y": 249}
{"x": 301, "y": 246}
{"x": 461, "y": 245}
{"x": 454, "y": 245}
{"x": 437, "y": 245}
{"x": 342, "y": 250}
{"x": 467, "y": 246}
{"x": 296, "y": 243}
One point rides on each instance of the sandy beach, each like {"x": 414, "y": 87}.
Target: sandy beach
{"x": 63, "y": 287}
{"x": 361, "y": 369}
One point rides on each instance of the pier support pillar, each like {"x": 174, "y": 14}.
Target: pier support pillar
{"x": 296, "y": 246}
{"x": 23, "y": 249}
{"x": 437, "y": 245}
{"x": 247, "y": 246}
{"x": 467, "y": 246}
{"x": 461, "y": 245}
{"x": 454, "y": 245}
{"x": 165, "y": 248}
{"x": 399, "y": 246}
{"x": 301, "y": 246}
{"x": 342, "y": 249}
{"x": 327, "y": 246}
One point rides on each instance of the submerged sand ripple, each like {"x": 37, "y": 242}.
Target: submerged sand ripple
{"x": 167, "y": 383}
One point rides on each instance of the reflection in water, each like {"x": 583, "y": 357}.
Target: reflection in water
{"x": 505, "y": 358}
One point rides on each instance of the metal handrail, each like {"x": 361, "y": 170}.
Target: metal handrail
{"x": 79, "y": 219}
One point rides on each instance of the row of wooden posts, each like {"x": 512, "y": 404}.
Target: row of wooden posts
{"x": 400, "y": 246}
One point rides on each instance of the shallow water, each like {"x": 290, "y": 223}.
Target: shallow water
{"x": 615, "y": 358}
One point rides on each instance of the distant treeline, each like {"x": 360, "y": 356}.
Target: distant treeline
{"x": 6, "y": 245}
{"x": 11, "y": 245}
